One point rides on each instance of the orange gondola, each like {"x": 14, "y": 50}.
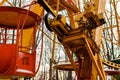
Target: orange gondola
{"x": 17, "y": 59}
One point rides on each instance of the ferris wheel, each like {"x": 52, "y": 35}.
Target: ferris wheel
{"x": 85, "y": 31}
{"x": 104, "y": 37}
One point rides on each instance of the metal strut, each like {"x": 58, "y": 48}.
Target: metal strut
{"x": 47, "y": 7}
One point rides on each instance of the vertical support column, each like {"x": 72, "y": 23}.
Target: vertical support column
{"x": 52, "y": 59}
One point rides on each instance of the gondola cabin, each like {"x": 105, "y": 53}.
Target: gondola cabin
{"x": 17, "y": 42}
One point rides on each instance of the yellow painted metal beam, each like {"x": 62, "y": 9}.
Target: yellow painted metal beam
{"x": 3, "y": 1}
{"x": 94, "y": 60}
{"x": 99, "y": 8}
{"x": 71, "y": 59}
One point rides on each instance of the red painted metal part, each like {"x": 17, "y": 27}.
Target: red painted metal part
{"x": 7, "y": 58}
{"x": 112, "y": 72}
{"x": 9, "y": 17}
{"x": 25, "y": 64}
{"x": 14, "y": 62}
